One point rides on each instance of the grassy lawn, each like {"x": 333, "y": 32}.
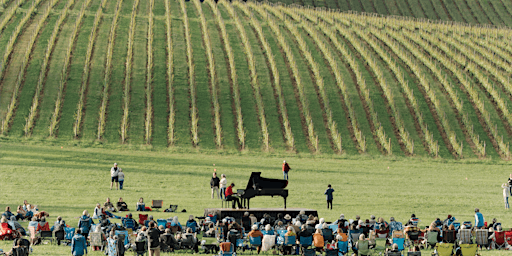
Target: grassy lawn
{"x": 65, "y": 181}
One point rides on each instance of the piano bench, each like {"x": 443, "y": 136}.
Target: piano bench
{"x": 224, "y": 201}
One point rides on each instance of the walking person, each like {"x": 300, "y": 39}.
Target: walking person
{"x": 120, "y": 177}
{"x": 153, "y": 240}
{"x": 214, "y": 184}
{"x": 223, "y": 184}
{"x": 114, "y": 176}
{"x": 286, "y": 169}
{"x": 78, "y": 244}
{"x": 328, "y": 193}
{"x": 506, "y": 193}
{"x": 479, "y": 219}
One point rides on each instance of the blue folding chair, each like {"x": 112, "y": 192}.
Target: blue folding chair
{"x": 280, "y": 237}
{"x": 354, "y": 235}
{"x": 70, "y": 232}
{"x": 306, "y": 241}
{"x": 333, "y": 227}
{"x": 456, "y": 225}
{"x": 125, "y": 233}
{"x": 342, "y": 247}
{"x": 400, "y": 242}
{"x": 289, "y": 240}
{"x": 255, "y": 241}
{"x": 161, "y": 222}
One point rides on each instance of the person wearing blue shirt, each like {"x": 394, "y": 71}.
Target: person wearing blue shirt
{"x": 84, "y": 224}
{"x": 328, "y": 193}
{"x": 78, "y": 244}
{"x": 479, "y": 219}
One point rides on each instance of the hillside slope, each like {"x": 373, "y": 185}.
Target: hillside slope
{"x": 251, "y": 76}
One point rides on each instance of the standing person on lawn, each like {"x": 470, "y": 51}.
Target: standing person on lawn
{"x": 214, "y": 184}
{"x": 78, "y": 244}
{"x": 328, "y": 193}
{"x": 223, "y": 184}
{"x": 120, "y": 177}
{"x": 506, "y": 193}
{"x": 479, "y": 219}
{"x": 286, "y": 169}
{"x": 114, "y": 176}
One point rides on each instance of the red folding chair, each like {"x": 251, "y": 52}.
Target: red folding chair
{"x": 508, "y": 237}
{"x": 142, "y": 218}
{"x": 499, "y": 239}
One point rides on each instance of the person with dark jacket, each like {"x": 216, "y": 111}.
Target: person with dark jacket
{"x": 214, "y": 184}
{"x": 168, "y": 241}
{"x": 246, "y": 221}
{"x": 304, "y": 232}
{"x": 153, "y": 240}
{"x": 84, "y": 224}
{"x": 59, "y": 228}
{"x": 286, "y": 169}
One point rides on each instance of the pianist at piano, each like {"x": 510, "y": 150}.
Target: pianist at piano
{"x": 231, "y": 197}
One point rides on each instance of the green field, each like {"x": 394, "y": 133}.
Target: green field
{"x": 238, "y": 77}
{"x": 65, "y": 181}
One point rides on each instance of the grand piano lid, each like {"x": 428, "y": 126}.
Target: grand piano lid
{"x": 257, "y": 182}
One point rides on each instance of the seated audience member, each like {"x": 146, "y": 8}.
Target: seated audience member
{"x": 372, "y": 220}
{"x": 291, "y": 232}
{"x": 255, "y": 232}
{"x": 43, "y": 225}
{"x": 121, "y": 205}
{"x": 168, "y": 239}
{"x": 141, "y": 206}
{"x": 394, "y": 225}
{"x": 211, "y": 230}
{"x": 381, "y": 224}
{"x": 304, "y": 232}
{"x": 161, "y": 228}
{"x": 449, "y": 220}
{"x": 192, "y": 223}
{"x": 253, "y": 219}
{"x": 318, "y": 240}
{"x": 41, "y": 214}
{"x": 57, "y": 222}
{"x": 103, "y": 238}
{"x": 320, "y": 223}
{"x": 142, "y": 234}
{"x": 129, "y": 222}
{"x": 394, "y": 248}
{"x": 438, "y": 222}
{"x": 150, "y": 219}
{"x": 105, "y": 223}
{"x": 265, "y": 220}
{"x": 108, "y": 206}
{"x": 59, "y": 228}
{"x": 190, "y": 238}
{"x": 268, "y": 230}
{"x": 5, "y": 230}
{"x": 413, "y": 221}
{"x": 20, "y": 213}
{"x": 287, "y": 219}
{"x": 28, "y": 213}
{"x": 493, "y": 224}
{"x": 7, "y": 214}
{"x": 16, "y": 226}
{"x": 296, "y": 226}
{"x": 278, "y": 219}
{"x": 19, "y": 243}
{"x": 233, "y": 234}
{"x": 280, "y": 226}
{"x": 302, "y": 217}
{"x": 287, "y": 250}
{"x": 246, "y": 221}
{"x": 175, "y": 223}
{"x": 97, "y": 212}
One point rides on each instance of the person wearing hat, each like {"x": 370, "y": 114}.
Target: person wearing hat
{"x": 255, "y": 232}
{"x": 287, "y": 218}
{"x": 114, "y": 176}
{"x": 214, "y": 184}
{"x": 286, "y": 169}
{"x": 328, "y": 193}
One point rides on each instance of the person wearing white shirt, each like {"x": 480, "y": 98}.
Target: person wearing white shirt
{"x": 506, "y": 193}
{"x": 114, "y": 176}
{"x": 223, "y": 184}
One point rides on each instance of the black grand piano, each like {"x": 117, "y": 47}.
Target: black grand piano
{"x": 259, "y": 186}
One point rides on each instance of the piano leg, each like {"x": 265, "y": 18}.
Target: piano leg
{"x": 248, "y": 203}
{"x": 284, "y": 202}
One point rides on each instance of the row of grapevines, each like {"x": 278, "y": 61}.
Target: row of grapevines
{"x": 470, "y": 89}
{"x": 335, "y": 135}
{"x": 191, "y": 76}
{"x": 54, "y": 121}
{"x": 128, "y": 73}
{"x": 430, "y": 93}
{"x": 85, "y": 76}
{"x": 12, "y": 106}
{"x": 494, "y": 45}
{"x": 288, "y": 134}
{"x": 254, "y": 76}
{"x": 312, "y": 137}
{"x": 212, "y": 74}
{"x": 44, "y": 68}
{"x": 108, "y": 72}
{"x": 149, "y": 76}
{"x": 170, "y": 76}
{"x": 9, "y": 13}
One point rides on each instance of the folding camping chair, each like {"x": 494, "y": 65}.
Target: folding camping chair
{"x": 268, "y": 242}
{"x": 60, "y": 236}
{"x": 354, "y": 235}
{"x": 432, "y": 238}
{"x": 124, "y": 235}
{"x": 156, "y": 204}
{"x": 219, "y": 233}
{"x": 499, "y": 240}
{"x": 414, "y": 236}
{"x": 254, "y": 242}
{"x": 444, "y": 249}
{"x": 95, "y": 238}
{"x": 508, "y": 237}
{"x": 70, "y": 232}
{"x": 47, "y": 235}
{"x": 413, "y": 253}
{"x": 161, "y": 222}
{"x": 468, "y": 249}
{"x": 280, "y": 237}
{"x": 449, "y": 236}
{"x": 393, "y": 253}
{"x": 465, "y": 236}
{"x": 400, "y": 242}
{"x": 142, "y": 218}
{"x": 343, "y": 247}
{"x": 363, "y": 247}
{"x": 227, "y": 253}
{"x": 481, "y": 237}
{"x": 141, "y": 248}
{"x": 327, "y": 234}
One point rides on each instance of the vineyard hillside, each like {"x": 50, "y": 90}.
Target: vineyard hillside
{"x": 248, "y": 76}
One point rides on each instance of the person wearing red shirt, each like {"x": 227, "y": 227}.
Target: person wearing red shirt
{"x": 230, "y": 197}
{"x": 286, "y": 169}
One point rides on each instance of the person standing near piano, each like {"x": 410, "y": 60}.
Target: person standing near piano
{"x": 286, "y": 169}
{"x": 232, "y": 197}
